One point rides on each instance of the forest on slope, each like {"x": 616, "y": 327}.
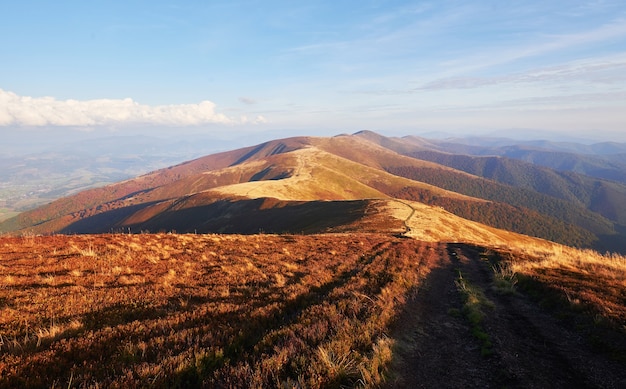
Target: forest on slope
{"x": 202, "y": 194}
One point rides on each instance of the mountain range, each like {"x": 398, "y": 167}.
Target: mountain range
{"x": 360, "y": 182}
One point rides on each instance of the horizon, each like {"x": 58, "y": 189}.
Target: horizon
{"x": 249, "y": 70}
{"x": 70, "y": 142}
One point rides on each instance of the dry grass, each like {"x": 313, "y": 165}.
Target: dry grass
{"x": 434, "y": 224}
{"x": 316, "y": 175}
{"x": 585, "y": 277}
{"x": 202, "y": 310}
{"x": 168, "y": 310}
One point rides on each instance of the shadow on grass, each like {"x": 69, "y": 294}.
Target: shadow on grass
{"x": 239, "y": 216}
{"x": 96, "y": 353}
{"x": 605, "y": 336}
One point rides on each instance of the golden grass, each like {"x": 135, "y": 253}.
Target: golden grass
{"x": 609, "y": 265}
{"x": 435, "y": 224}
{"x": 585, "y": 277}
{"x": 316, "y": 175}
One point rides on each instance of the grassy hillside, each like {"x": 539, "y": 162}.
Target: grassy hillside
{"x": 202, "y": 195}
{"x": 340, "y": 310}
{"x": 506, "y": 217}
{"x": 184, "y": 310}
{"x": 307, "y": 174}
{"x": 125, "y": 192}
{"x": 545, "y": 207}
{"x": 563, "y": 182}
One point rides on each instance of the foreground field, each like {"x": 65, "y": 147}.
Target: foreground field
{"x": 362, "y": 310}
{"x": 180, "y": 310}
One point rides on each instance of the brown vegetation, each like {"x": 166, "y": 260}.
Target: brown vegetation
{"x": 585, "y": 278}
{"x": 169, "y": 310}
{"x": 204, "y": 195}
{"x": 178, "y": 310}
{"x": 391, "y": 291}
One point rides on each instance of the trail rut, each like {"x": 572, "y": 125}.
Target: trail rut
{"x": 530, "y": 348}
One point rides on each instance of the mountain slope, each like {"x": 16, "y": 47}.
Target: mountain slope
{"x": 602, "y": 160}
{"x": 126, "y": 190}
{"x": 313, "y": 184}
{"x": 581, "y": 190}
{"x": 590, "y": 202}
{"x": 565, "y": 184}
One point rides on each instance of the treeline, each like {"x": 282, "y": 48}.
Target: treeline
{"x": 608, "y": 167}
{"x": 561, "y": 210}
{"x": 566, "y": 186}
{"x": 577, "y": 188}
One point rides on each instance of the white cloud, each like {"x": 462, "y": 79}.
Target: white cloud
{"x": 260, "y": 119}
{"x": 27, "y": 111}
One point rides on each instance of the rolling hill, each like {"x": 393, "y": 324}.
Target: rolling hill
{"x": 32, "y": 175}
{"x": 342, "y": 183}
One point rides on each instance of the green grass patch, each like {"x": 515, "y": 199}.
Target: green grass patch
{"x": 474, "y": 302}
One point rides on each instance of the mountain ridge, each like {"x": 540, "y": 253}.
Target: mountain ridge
{"x": 285, "y": 173}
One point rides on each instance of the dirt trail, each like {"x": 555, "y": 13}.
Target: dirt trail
{"x": 438, "y": 350}
{"x": 530, "y": 349}
{"x": 407, "y": 220}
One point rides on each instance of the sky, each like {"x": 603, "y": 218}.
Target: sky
{"x": 313, "y": 68}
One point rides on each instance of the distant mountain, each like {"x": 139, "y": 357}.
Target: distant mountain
{"x": 345, "y": 183}
{"x": 597, "y": 195}
{"x": 605, "y": 160}
{"x": 484, "y": 142}
{"x": 563, "y": 183}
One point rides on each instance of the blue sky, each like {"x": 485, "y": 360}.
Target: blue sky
{"x": 316, "y": 67}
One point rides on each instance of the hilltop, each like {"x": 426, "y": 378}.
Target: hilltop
{"x": 294, "y": 184}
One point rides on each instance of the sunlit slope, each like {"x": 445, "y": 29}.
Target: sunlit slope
{"x": 289, "y": 169}
{"x": 584, "y": 211}
{"x": 266, "y": 187}
{"x": 136, "y": 190}
{"x": 313, "y": 174}
{"x": 202, "y": 202}
{"x": 505, "y": 180}
{"x": 434, "y": 224}
{"x": 130, "y": 189}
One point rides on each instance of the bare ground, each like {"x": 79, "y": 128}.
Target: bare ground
{"x": 530, "y": 348}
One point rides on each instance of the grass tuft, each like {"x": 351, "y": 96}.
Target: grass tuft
{"x": 504, "y": 278}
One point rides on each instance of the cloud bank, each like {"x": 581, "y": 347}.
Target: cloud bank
{"x": 27, "y": 111}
